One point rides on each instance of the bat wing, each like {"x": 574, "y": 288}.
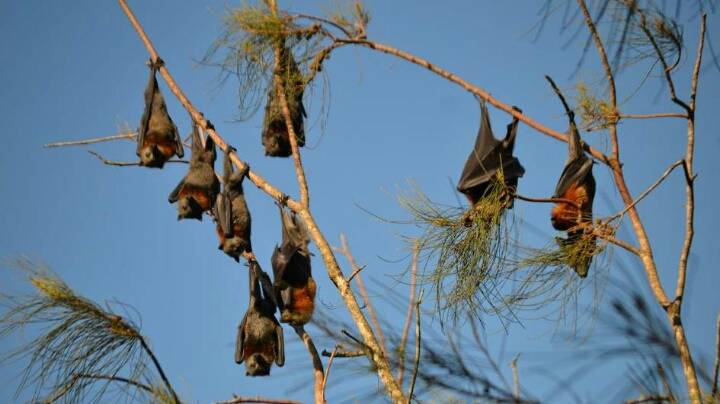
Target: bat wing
{"x": 175, "y": 194}
{"x": 149, "y": 96}
{"x": 223, "y": 209}
{"x": 280, "y": 344}
{"x": 578, "y": 167}
{"x": 576, "y": 171}
{"x": 239, "y": 343}
{"x": 488, "y": 155}
{"x": 179, "y": 147}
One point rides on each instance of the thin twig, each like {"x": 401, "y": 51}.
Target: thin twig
{"x": 126, "y": 163}
{"x": 345, "y": 250}
{"x": 328, "y": 367}
{"x": 282, "y": 98}
{"x": 674, "y": 311}
{"x": 343, "y": 354}
{"x": 74, "y": 378}
{"x": 648, "y": 190}
{"x": 325, "y": 21}
{"x": 409, "y": 313}
{"x": 418, "y": 340}
{"x": 716, "y": 368}
{"x": 547, "y": 200}
{"x": 159, "y": 368}
{"x": 318, "y": 372}
{"x": 256, "y": 399}
{"x": 653, "y": 116}
{"x": 472, "y": 89}
{"x": 649, "y": 399}
{"x": 128, "y": 135}
{"x": 516, "y": 377}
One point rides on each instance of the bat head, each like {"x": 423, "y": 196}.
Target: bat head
{"x": 234, "y": 246}
{"x": 150, "y": 156}
{"x": 189, "y": 208}
{"x": 257, "y": 365}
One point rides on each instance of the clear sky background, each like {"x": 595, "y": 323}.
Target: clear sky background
{"x": 77, "y": 69}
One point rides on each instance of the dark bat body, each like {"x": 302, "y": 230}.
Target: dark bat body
{"x": 158, "y": 138}
{"x": 294, "y": 286}
{"x": 576, "y": 184}
{"x": 197, "y": 191}
{"x": 260, "y": 336}
{"x": 232, "y": 214}
{"x": 275, "y": 137}
{"x": 489, "y": 157}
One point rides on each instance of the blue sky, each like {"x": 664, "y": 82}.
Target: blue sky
{"x": 77, "y": 69}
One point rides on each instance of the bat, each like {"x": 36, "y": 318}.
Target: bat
{"x": 576, "y": 184}
{"x": 197, "y": 191}
{"x": 275, "y": 137}
{"x": 158, "y": 138}
{"x": 260, "y": 336}
{"x": 488, "y": 157}
{"x": 231, "y": 212}
{"x": 294, "y": 286}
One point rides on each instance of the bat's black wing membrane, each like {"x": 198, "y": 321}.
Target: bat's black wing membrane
{"x": 578, "y": 169}
{"x": 489, "y": 155}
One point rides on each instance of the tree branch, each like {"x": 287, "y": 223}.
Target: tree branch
{"x": 126, "y": 163}
{"x": 282, "y": 97}
{"x": 343, "y": 354}
{"x": 652, "y": 116}
{"x": 329, "y": 366}
{"x": 159, "y": 368}
{"x": 256, "y": 399}
{"x": 318, "y": 372}
{"x": 716, "y": 368}
{"x": 345, "y": 250}
{"x": 128, "y": 135}
{"x": 409, "y": 313}
{"x": 418, "y": 339}
{"x": 649, "y": 189}
{"x": 472, "y": 89}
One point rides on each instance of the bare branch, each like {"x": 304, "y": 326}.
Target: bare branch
{"x": 547, "y": 200}
{"x": 652, "y": 116}
{"x": 239, "y": 399}
{"x": 716, "y": 368}
{"x": 329, "y": 366}
{"x": 409, "y": 313}
{"x": 297, "y": 159}
{"x": 516, "y": 377}
{"x": 343, "y": 354}
{"x": 472, "y": 89}
{"x": 345, "y": 250}
{"x": 126, "y": 163}
{"x": 318, "y": 372}
{"x": 128, "y": 135}
{"x": 649, "y": 399}
{"x": 418, "y": 339}
{"x": 156, "y": 363}
{"x": 648, "y": 190}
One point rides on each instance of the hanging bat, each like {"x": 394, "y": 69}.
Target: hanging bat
{"x": 294, "y": 286}
{"x": 197, "y": 191}
{"x": 488, "y": 158}
{"x": 260, "y": 336}
{"x": 158, "y": 138}
{"x": 275, "y": 137}
{"x": 576, "y": 184}
{"x": 231, "y": 212}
